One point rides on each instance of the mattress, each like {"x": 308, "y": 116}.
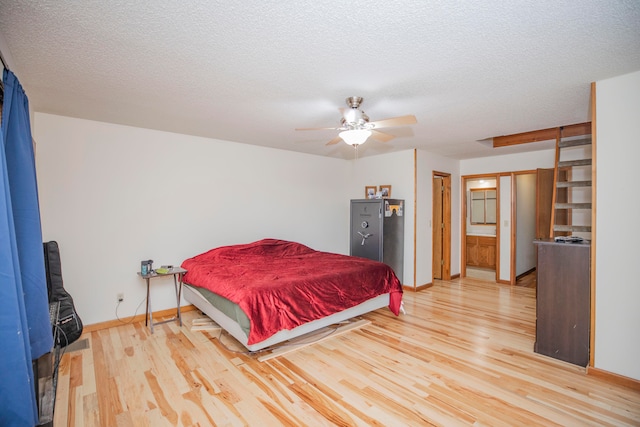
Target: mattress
{"x": 228, "y": 308}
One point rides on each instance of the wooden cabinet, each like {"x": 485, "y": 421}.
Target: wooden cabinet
{"x": 563, "y": 301}
{"x": 481, "y": 251}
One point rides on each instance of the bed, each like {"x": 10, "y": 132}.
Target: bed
{"x": 266, "y": 292}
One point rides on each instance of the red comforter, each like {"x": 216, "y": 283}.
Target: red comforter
{"x": 281, "y": 285}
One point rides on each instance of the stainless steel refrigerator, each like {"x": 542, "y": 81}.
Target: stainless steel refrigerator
{"x": 377, "y": 231}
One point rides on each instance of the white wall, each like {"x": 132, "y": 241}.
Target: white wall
{"x": 508, "y": 162}
{"x": 525, "y": 222}
{"x": 427, "y": 163}
{"x": 395, "y": 169}
{"x": 617, "y": 334}
{"x": 114, "y": 195}
{"x": 504, "y": 227}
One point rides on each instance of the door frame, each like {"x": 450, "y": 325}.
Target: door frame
{"x": 463, "y": 218}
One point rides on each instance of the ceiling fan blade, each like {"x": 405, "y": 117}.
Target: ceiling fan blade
{"x": 334, "y": 140}
{"x": 317, "y": 128}
{"x": 381, "y": 136}
{"x": 395, "y": 121}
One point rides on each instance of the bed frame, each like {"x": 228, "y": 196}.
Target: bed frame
{"x": 229, "y": 325}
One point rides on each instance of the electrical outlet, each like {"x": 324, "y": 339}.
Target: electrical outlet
{"x": 120, "y": 297}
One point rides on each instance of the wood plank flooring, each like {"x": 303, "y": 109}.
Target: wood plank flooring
{"x": 462, "y": 355}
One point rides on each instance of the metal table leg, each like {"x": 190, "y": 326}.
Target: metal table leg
{"x": 178, "y": 289}
{"x": 149, "y": 315}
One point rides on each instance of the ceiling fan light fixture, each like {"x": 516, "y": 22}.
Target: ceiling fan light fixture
{"x": 355, "y": 137}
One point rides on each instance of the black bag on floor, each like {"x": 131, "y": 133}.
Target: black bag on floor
{"x": 69, "y": 326}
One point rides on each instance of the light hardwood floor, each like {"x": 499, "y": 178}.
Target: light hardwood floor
{"x": 462, "y": 355}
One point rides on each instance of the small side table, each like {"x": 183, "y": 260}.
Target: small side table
{"x": 177, "y": 274}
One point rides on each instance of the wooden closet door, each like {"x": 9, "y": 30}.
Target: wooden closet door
{"x": 437, "y": 226}
{"x": 544, "y": 194}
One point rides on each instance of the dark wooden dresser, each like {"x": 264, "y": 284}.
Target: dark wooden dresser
{"x": 563, "y": 301}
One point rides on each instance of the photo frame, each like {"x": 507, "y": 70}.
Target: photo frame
{"x": 370, "y": 191}
{"x": 385, "y": 190}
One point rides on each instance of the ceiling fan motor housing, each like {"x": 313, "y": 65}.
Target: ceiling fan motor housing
{"x": 354, "y": 101}
{"x": 354, "y": 118}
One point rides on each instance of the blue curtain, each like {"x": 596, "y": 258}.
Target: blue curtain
{"x": 25, "y": 329}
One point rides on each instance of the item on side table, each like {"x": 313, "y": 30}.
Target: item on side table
{"x": 146, "y": 267}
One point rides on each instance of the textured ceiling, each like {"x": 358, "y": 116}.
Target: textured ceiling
{"x": 252, "y": 71}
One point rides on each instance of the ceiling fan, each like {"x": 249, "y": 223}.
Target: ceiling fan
{"x": 356, "y": 128}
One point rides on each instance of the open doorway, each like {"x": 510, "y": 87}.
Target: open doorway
{"x": 441, "y": 226}
{"x": 501, "y": 248}
{"x": 479, "y": 237}
{"x": 526, "y": 224}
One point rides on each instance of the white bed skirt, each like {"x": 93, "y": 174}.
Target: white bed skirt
{"x": 230, "y": 325}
